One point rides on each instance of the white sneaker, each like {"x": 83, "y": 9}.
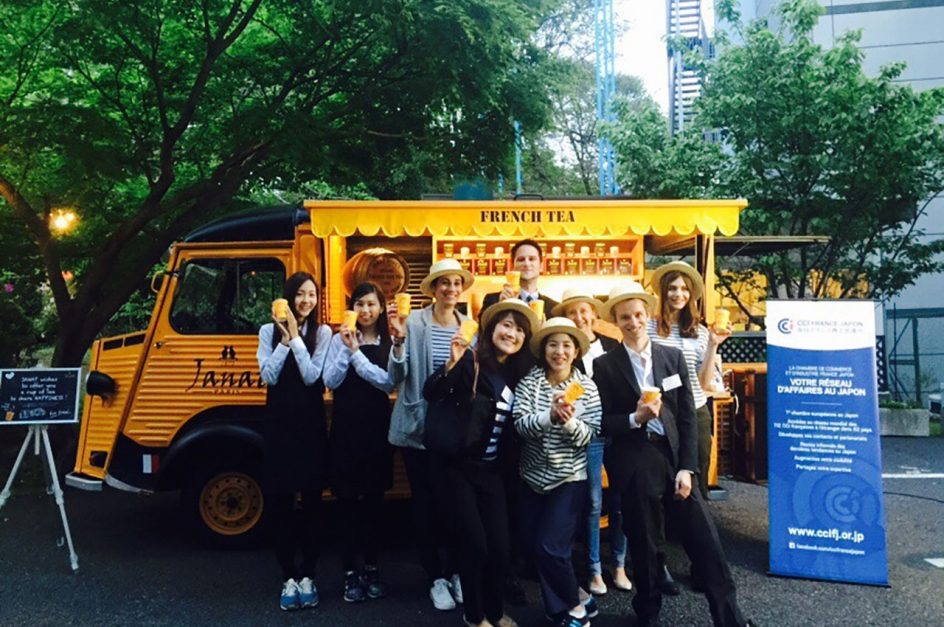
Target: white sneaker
{"x": 289, "y": 599}
{"x": 439, "y": 593}
{"x": 455, "y": 587}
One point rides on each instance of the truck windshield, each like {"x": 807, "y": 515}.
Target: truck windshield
{"x": 226, "y": 296}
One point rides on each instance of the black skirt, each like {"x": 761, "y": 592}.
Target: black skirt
{"x": 361, "y": 458}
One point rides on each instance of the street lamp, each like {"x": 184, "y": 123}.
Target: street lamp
{"x": 63, "y": 221}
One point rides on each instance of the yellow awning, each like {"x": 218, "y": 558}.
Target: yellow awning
{"x": 530, "y": 218}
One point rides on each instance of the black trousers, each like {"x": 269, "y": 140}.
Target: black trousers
{"x": 295, "y": 527}
{"x": 429, "y": 522}
{"x": 475, "y": 501}
{"x": 653, "y": 486}
{"x": 703, "y": 421}
{"x": 552, "y": 519}
{"x": 360, "y": 521}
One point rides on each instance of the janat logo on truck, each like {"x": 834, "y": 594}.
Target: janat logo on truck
{"x": 225, "y": 381}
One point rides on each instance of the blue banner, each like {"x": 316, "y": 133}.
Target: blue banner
{"x": 827, "y": 518}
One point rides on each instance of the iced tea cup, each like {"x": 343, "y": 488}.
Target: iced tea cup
{"x": 350, "y": 320}
{"x": 468, "y": 330}
{"x": 513, "y": 278}
{"x": 573, "y": 392}
{"x": 403, "y": 304}
{"x": 537, "y": 306}
{"x": 722, "y": 319}
{"x": 650, "y": 394}
{"x": 280, "y": 309}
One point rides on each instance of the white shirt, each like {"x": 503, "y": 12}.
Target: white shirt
{"x": 340, "y": 358}
{"x": 309, "y": 366}
{"x": 642, "y": 368}
{"x": 596, "y": 349}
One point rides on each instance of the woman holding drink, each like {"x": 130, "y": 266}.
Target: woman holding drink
{"x": 361, "y": 458}
{"x": 679, "y": 286}
{"x": 557, "y": 412}
{"x": 291, "y": 355}
{"x": 422, "y": 343}
{"x": 474, "y": 492}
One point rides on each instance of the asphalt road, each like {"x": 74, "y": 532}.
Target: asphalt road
{"x": 139, "y": 567}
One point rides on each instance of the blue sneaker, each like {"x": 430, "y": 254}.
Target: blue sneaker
{"x": 590, "y": 604}
{"x": 353, "y": 589}
{"x": 289, "y": 599}
{"x": 307, "y": 593}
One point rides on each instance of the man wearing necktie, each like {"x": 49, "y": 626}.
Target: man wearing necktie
{"x": 652, "y": 458}
{"x": 526, "y": 259}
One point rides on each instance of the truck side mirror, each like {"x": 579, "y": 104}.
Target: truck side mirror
{"x": 156, "y": 282}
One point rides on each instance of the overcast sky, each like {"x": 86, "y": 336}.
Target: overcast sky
{"x": 640, "y": 48}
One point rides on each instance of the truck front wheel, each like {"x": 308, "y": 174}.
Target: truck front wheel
{"x": 225, "y": 504}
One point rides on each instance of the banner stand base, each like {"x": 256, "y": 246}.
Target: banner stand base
{"x": 40, "y": 437}
{"x": 836, "y": 581}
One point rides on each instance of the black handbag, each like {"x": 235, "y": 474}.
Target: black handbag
{"x": 460, "y": 426}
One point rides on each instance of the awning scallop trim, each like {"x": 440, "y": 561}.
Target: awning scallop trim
{"x": 548, "y": 218}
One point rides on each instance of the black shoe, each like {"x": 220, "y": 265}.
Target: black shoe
{"x": 353, "y": 590}
{"x": 370, "y": 582}
{"x": 515, "y": 593}
{"x": 665, "y": 582}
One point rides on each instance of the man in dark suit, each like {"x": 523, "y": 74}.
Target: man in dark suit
{"x": 526, "y": 259}
{"x": 652, "y": 458}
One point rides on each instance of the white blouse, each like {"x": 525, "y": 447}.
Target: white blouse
{"x": 310, "y": 366}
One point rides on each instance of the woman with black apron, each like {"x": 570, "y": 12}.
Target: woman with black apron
{"x": 361, "y": 458}
{"x": 291, "y": 357}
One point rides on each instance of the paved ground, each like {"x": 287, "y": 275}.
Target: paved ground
{"x": 139, "y": 567}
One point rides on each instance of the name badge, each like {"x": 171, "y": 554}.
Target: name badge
{"x": 670, "y": 383}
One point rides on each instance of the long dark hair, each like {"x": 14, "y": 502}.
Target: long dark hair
{"x": 515, "y": 366}
{"x": 289, "y": 290}
{"x": 363, "y": 289}
{"x": 688, "y": 318}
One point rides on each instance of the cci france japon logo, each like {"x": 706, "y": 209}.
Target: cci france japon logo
{"x": 786, "y": 326}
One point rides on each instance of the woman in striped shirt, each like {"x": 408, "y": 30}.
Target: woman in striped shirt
{"x": 557, "y": 430}
{"x": 474, "y": 490}
{"x": 679, "y": 325}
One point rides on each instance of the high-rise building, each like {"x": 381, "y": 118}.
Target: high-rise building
{"x": 689, "y": 24}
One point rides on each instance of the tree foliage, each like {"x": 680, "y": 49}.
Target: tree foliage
{"x": 149, "y": 117}
{"x": 817, "y": 148}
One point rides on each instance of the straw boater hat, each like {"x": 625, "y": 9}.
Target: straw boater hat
{"x": 445, "y": 267}
{"x": 574, "y": 295}
{"x": 626, "y": 291}
{"x": 559, "y": 325}
{"x": 511, "y": 304}
{"x": 698, "y": 284}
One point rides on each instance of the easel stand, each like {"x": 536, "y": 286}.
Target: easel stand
{"x": 37, "y": 432}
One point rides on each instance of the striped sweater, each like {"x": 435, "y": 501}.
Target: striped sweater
{"x": 693, "y": 349}
{"x": 554, "y": 454}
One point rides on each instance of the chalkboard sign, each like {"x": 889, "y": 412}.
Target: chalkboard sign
{"x": 39, "y": 396}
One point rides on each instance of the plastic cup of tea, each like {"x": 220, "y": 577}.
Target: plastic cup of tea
{"x": 513, "y": 278}
{"x": 350, "y": 320}
{"x": 722, "y": 319}
{"x": 573, "y": 392}
{"x": 650, "y": 394}
{"x": 280, "y": 309}
{"x": 468, "y": 329}
{"x": 537, "y": 306}
{"x": 404, "y": 304}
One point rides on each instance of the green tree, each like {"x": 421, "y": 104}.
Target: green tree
{"x": 817, "y": 148}
{"x": 653, "y": 163}
{"x": 148, "y": 118}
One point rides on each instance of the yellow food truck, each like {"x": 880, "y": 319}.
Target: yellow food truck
{"x": 178, "y": 406}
